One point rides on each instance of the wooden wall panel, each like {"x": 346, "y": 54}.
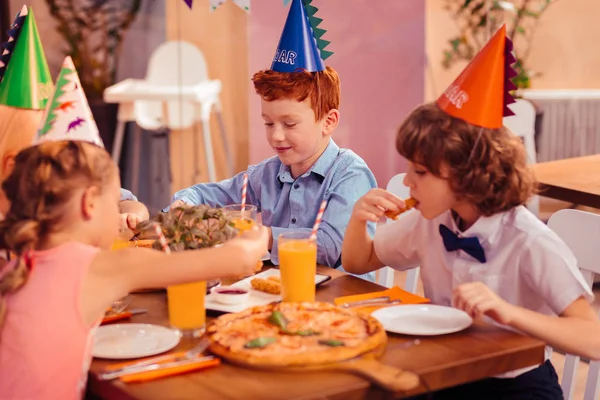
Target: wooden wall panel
{"x": 223, "y": 38}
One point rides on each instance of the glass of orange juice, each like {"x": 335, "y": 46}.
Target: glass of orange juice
{"x": 298, "y": 266}
{"x": 242, "y": 220}
{"x": 186, "y": 308}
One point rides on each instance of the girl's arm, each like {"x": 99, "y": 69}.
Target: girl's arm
{"x": 114, "y": 274}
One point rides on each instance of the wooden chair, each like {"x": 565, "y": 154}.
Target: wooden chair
{"x": 386, "y": 274}
{"x": 580, "y": 230}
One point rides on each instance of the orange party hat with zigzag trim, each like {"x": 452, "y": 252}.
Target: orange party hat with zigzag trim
{"x": 480, "y": 95}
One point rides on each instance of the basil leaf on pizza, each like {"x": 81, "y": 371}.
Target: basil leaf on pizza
{"x": 277, "y": 318}
{"x": 332, "y": 343}
{"x": 260, "y": 342}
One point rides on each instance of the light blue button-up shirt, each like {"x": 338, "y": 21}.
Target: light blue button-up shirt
{"x": 127, "y": 195}
{"x": 339, "y": 176}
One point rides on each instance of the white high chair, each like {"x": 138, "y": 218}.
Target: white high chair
{"x": 386, "y": 274}
{"x": 580, "y": 230}
{"x": 176, "y": 94}
{"x": 522, "y": 124}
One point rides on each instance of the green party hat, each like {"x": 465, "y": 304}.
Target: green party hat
{"x": 25, "y": 80}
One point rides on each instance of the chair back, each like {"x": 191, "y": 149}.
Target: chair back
{"x": 176, "y": 63}
{"x": 386, "y": 274}
{"x": 580, "y": 230}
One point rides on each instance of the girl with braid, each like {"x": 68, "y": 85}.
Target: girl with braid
{"x": 63, "y": 218}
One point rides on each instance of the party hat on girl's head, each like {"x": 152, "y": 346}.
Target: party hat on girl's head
{"x": 480, "y": 94}
{"x": 68, "y": 115}
{"x": 301, "y": 46}
{"x": 25, "y": 80}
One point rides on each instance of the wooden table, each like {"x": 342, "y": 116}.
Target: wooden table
{"x": 576, "y": 180}
{"x": 478, "y": 352}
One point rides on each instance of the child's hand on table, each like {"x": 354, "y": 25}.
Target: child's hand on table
{"x": 477, "y": 300}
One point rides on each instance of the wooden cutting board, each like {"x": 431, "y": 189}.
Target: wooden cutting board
{"x": 367, "y": 366}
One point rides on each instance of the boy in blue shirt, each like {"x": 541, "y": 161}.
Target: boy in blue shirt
{"x": 299, "y": 100}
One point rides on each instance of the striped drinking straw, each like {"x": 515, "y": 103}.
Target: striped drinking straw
{"x": 161, "y": 239}
{"x": 313, "y": 235}
{"x": 244, "y": 188}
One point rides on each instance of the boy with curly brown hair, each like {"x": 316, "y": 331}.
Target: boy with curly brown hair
{"x": 479, "y": 248}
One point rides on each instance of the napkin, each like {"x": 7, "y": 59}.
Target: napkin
{"x": 394, "y": 293}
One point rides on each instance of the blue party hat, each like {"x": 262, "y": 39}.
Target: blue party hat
{"x": 301, "y": 46}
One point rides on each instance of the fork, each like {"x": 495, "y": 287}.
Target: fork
{"x": 172, "y": 358}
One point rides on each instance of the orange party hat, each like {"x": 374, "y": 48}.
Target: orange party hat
{"x": 480, "y": 95}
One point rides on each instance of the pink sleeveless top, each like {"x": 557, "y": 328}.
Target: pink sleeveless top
{"x": 45, "y": 346}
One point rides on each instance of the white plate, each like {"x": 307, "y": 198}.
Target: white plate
{"x": 422, "y": 319}
{"x": 256, "y": 298}
{"x": 121, "y": 341}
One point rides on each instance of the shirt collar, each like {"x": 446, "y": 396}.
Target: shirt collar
{"x": 320, "y": 167}
{"x": 486, "y": 229}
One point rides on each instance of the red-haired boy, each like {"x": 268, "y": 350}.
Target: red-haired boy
{"x": 300, "y": 100}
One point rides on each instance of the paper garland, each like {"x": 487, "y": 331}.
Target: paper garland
{"x": 214, "y": 4}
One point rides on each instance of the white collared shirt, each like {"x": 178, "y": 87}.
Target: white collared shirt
{"x": 527, "y": 265}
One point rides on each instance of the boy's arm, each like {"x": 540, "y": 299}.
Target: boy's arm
{"x": 576, "y": 331}
{"x": 358, "y": 251}
{"x": 550, "y": 270}
{"x": 345, "y": 190}
{"x": 219, "y": 194}
{"x": 134, "y": 207}
{"x": 393, "y": 244}
{"x": 132, "y": 212}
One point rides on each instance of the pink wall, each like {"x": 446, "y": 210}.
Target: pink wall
{"x": 380, "y": 56}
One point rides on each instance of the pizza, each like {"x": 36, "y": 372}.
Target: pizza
{"x": 294, "y": 334}
{"x": 409, "y": 203}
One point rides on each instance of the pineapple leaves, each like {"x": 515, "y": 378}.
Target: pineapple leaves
{"x": 190, "y": 227}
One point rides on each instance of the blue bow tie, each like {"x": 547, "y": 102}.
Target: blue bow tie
{"x": 469, "y": 245}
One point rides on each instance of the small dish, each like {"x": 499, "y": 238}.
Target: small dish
{"x": 422, "y": 319}
{"x": 123, "y": 341}
{"x": 230, "y": 294}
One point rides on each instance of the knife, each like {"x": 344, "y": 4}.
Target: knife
{"x": 121, "y": 369}
{"x": 381, "y": 299}
{"x": 177, "y": 362}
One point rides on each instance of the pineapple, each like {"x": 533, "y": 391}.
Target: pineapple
{"x": 190, "y": 228}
